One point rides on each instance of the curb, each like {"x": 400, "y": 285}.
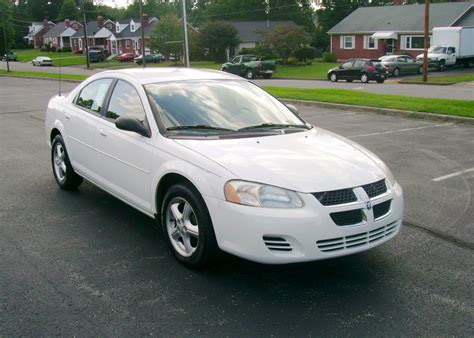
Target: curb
{"x": 383, "y": 111}
{"x": 427, "y": 83}
{"x": 42, "y": 78}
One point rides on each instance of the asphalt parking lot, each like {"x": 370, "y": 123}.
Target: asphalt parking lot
{"x": 85, "y": 264}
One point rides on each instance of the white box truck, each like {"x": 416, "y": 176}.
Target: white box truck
{"x": 450, "y": 46}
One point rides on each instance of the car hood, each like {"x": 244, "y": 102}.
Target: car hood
{"x": 311, "y": 161}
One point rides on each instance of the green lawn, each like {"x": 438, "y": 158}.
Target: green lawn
{"x": 442, "y": 79}
{"x": 59, "y": 59}
{"x": 317, "y": 70}
{"x": 427, "y": 105}
{"x": 44, "y": 75}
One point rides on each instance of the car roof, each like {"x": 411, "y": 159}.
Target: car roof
{"x": 167, "y": 74}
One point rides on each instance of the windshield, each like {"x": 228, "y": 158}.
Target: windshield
{"x": 205, "y": 107}
{"x": 437, "y": 49}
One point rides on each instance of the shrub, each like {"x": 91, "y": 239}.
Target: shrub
{"x": 329, "y": 57}
{"x": 291, "y": 61}
{"x": 64, "y": 50}
{"x": 248, "y": 51}
{"x": 305, "y": 53}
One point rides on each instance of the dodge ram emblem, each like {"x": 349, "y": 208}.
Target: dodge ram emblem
{"x": 368, "y": 205}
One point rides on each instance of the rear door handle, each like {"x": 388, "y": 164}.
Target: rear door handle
{"x": 102, "y": 133}
{"x": 67, "y": 116}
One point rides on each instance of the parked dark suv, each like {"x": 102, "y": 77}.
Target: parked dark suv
{"x": 359, "y": 69}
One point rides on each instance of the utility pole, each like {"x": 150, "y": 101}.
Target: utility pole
{"x": 143, "y": 33}
{"x": 185, "y": 27}
{"x": 425, "y": 51}
{"x": 85, "y": 33}
{"x": 5, "y": 40}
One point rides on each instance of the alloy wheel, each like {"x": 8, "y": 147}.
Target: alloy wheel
{"x": 59, "y": 160}
{"x": 182, "y": 226}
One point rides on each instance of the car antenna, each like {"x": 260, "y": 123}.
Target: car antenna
{"x": 60, "y": 63}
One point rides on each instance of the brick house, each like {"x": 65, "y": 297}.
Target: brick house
{"x": 60, "y": 35}
{"x": 115, "y": 36}
{"x": 371, "y": 32}
{"x": 36, "y": 31}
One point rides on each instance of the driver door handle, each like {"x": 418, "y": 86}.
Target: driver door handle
{"x": 67, "y": 116}
{"x": 102, "y": 133}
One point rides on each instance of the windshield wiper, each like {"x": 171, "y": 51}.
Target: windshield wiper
{"x": 275, "y": 126}
{"x": 198, "y": 126}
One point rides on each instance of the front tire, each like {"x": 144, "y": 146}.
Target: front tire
{"x": 396, "y": 72}
{"x": 364, "y": 78}
{"x": 62, "y": 169}
{"x": 441, "y": 66}
{"x": 333, "y": 77}
{"x": 187, "y": 226}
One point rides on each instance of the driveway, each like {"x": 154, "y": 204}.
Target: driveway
{"x": 460, "y": 92}
{"x": 83, "y": 263}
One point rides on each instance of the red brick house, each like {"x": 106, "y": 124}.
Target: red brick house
{"x": 116, "y": 37}
{"x": 36, "y": 31}
{"x": 371, "y": 32}
{"x": 60, "y": 35}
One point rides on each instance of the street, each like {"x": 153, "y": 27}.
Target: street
{"x": 457, "y": 91}
{"x": 83, "y": 263}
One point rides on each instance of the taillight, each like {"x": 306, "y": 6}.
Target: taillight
{"x": 260, "y": 65}
{"x": 371, "y": 68}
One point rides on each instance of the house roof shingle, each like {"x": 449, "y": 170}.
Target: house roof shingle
{"x": 247, "y": 30}
{"x": 403, "y": 18}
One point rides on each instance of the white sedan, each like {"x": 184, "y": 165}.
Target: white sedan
{"x": 42, "y": 61}
{"x": 222, "y": 165}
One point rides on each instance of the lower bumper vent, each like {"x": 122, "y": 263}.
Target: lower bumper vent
{"x": 349, "y": 217}
{"x": 353, "y": 241}
{"x": 274, "y": 243}
{"x": 382, "y": 209}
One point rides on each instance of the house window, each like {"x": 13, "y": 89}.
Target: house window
{"x": 347, "y": 42}
{"x": 132, "y": 27}
{"x": 109, "y": 26}
{"x": 370, "y": 42}
{"x": 413, "y": 42}
{"x": 127, "y": 44}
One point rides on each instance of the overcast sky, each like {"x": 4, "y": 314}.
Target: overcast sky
{"x": 114, "y": 3}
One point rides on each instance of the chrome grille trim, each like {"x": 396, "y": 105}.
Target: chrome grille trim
{"x": 357, "y": 240}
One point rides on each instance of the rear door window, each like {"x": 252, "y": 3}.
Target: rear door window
{"x": 93, "y": 95}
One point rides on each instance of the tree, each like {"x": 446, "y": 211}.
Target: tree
{"x": 217, "y": 37}
{"x": 285, "y": 39}
{"x": 5, "y": 8}
{"x": 167, "y": 35}
{"x": 40, "y": 9}
{"x": 69, "y": 10}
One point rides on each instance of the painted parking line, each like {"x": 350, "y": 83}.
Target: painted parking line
{"x": 402, "y": 130}
{"x": 457, "y": 173}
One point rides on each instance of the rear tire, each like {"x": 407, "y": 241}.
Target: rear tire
{"x": 188, "y": 228}
{"x": 249, "y": 74}
{"x": 380, "y": 81}
{"x": 63, "y": 172}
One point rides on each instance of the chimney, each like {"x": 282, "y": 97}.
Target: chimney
{"x": 67, "y": 23}
{"x": 145, "y": 19}
{"x": 100, "y": 21}
{"x": 398, "y": 2}
{"x": 46, "y": 24}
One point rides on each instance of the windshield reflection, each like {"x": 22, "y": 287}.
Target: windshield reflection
{"x": 229, "y": 105}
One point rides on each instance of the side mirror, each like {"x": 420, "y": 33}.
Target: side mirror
{"x": 292, "y": 108}
{"x": 132, "y": 123}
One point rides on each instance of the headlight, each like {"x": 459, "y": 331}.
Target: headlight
{"x": 261, "y": 195}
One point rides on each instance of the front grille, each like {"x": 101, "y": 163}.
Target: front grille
{"x": 375, "y": 189}
{"x": 381, "y": 209}
{"x": 357, "y": 240}
{"x": 336, "y": 197}
{"x": 274, "y": 243}
{"x": 349, "y": 217}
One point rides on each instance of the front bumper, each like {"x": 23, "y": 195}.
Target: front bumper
{"x": 256, "y": 233}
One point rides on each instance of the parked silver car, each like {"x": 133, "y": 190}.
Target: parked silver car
{"x": 401, "y": 64}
